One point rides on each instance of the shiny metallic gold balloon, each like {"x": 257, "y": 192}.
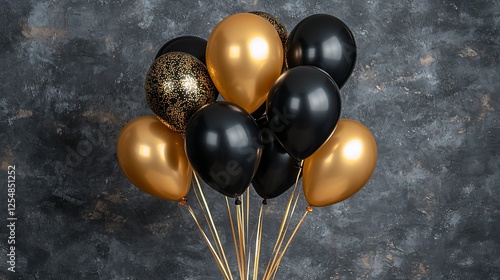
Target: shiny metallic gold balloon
{"x": 153, "y": 158}
{"x": 276, "y": 23}
{"x": 342, "y": 166}
{"x": 177, "y": 85}
{"x": 244, "y": 59}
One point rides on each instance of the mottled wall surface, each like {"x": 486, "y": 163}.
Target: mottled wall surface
{"x": 426, "y": 83}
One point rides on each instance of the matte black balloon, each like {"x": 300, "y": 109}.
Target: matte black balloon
{"x": 323, "y": 41}
{"x": 224, "y": 147}
{"x": 303, "y": 108}
{"x": 277, "y": 170}
{"x": 188, "y": 44}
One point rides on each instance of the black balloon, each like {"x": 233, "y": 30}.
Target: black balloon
{"x": 303, "y": 108}
{"x": 188, "y": 44}
{"x": 224, "y": 147}
{"x": 277, "y": 170}
{"x": 323, "y": 41}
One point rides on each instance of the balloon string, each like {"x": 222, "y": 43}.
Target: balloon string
{"x": 234, "y": 237}
{"x": 275, "y": 268}
{"x": 241, "y": 239}
{"x": 298, "y": 193}
{"x": 241, "y": 235}
{"x": 295, "y": 202}
{"x": 257, "y": 245}
{"x": 279, "y": 241}
{"x": 283, "y": 226}
{"x": 248, "y": 264}
{"x": 211, "y": 224}
{"x": 209, "y": 244}
{"x": 243, "y": 228}
{"x": 206, "y": 218}
{"x": 248, "y": 215}
{"x": 247, "y": 228}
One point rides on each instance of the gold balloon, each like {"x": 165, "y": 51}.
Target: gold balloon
{"x": 177, "y": 85}
{"x": 244, "y": 58}
{"x": 153, "y": 158}
{"x": 342, "y": 166}
{"x": 276, "y": 23}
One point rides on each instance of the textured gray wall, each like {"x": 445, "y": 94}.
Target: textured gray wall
{"x": 426, "y": 83}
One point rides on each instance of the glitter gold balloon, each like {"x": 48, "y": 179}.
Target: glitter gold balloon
{"x": 342, "y": 166}
{"x": 244, "y": 58}
{"x": 153, "y": 158}
{"x": 177, "y": 85}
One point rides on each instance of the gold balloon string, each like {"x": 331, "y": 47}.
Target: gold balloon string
{"x": 243, "y": 237}
{"x": 275, "y": 268}
{"x": 235, "y": 241}
{"x": 244, "y": 240}
{"x": 241, "y": 240}
{"x": 247, "y": 229}
{"x": 285, "y": 231}
{"x": 284, "y": 225}
{"x": 248, "y": 212}
{"x": 211, "y": 224}
{"x": 207, "y": 219}
{"x": 219, "y": 262}
{"x": 243, "y": 227}
{"x": 296, "y": 200}
{"x": 298, "y": 193}
{"x": 280, "y": 237}
{"x": 248, "y": 264}
{"x": 257, "y": 245}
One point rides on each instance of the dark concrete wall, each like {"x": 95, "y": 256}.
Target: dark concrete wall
{"x": 426, "y": 83}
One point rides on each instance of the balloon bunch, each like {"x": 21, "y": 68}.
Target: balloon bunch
{"x": 280, "y": 120}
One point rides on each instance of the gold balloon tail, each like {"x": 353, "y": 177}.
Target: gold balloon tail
{"x": 287, "y": 215}
{"x": 211, "y": 224}
{"x": 274, "y": 269}
{"x": 220, "y": 264}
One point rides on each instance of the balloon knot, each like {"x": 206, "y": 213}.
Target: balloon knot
{"x": 264, "y": 201}
{"x": 299, "y": 163}
{"x": 237, "y": 201}
{"x": 309, "y": 208}
{"x": 183, "y": 202}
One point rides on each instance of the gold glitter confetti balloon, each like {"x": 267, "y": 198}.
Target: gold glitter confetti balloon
{"x": 177, "y": 85}
{"x": 244, "y": 59}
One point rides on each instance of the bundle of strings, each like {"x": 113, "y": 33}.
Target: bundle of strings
{"x": 247, "y": 261}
